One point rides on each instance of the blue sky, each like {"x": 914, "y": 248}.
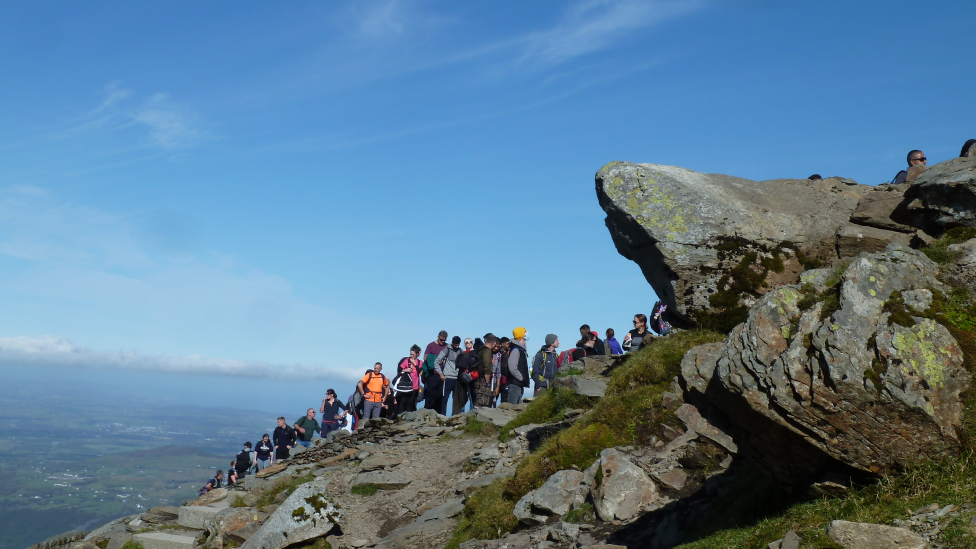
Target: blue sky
{"x": 294, "y": 191}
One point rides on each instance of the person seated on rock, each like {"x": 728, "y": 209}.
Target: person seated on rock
{"x": 213, "y": 483}
{"x": 245, "y": 458}
{"x": 612, "y": 344}
{"x": 634, "y": 339}
{"x": 598, "y": 346}
{"x": 968, "y": 148}
{"x": 915, "y": 158}
{"x": 585, "y": 347}
{"x": 232, "y": 473}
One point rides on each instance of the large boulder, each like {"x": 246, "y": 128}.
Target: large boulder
{"x": 555, "y": 497}
{"x": 308, "y": 513}
{"x": 863, "y": 535}
{"x": 943, "y": 196}
{"x": 710, "y": 244}
{"x": 874, "y": 384}
{"x": 622, "y": 489}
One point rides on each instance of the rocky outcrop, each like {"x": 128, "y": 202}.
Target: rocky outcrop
{"x": 860, "y": 535}
{"x": 711, "y": 244}
{"x": 942, "y": 197}
{"x": 308, "y": 513}
{"x": 855, "y": 373}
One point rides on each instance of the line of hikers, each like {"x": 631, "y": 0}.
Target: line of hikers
{"x": 487, "y": 371}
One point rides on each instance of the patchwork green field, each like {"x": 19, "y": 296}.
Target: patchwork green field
{"x": 78, "y": 462}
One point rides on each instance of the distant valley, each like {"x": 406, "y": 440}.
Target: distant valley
{"x": 71, "y": 458}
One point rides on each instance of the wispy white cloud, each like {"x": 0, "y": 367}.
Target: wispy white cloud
{"x": 49, "y": 351}
{"x": 161, "y": 122}
{"x": 593, "y": 25}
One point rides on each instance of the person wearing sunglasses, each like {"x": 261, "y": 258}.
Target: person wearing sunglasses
{"x": 915, "y": 158}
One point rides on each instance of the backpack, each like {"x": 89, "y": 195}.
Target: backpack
{"x": 658, "y": 324}
{"x": 358, "y": 403}
{"x": 564, "y": 358}
{"x": 243, "y": 461}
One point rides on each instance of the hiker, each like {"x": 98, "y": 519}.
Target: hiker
{"x": 446, "y": 367}
{"x": 433, "y": 381}
{"x": 611, "y": 343}
{"x": 518, "y": 366}
{"x": 585, "y": 347}
{"x": 501, "y": 388}
{"x": 968, "y": 149}
{"x": 354, "y": 413}
{"x": 374, "y": 387}
{"x": 544, "y": 364}
{"x": 284, "y": 439}
{"x": 467, "y": 362}
{"x": 585, "y": 329}
{"x": 306, "y": 426}
{"x": 244, "y": 461}
{"x": 263, "y": 454}
{"x": 407, "y": 383}
{"x": 481, "y": 388}
{"x": 213, "y": 483}
{"x": 388, "y": 410}
{"x": 915, "y": 158}
{"x": 330, "y": 408}
{"x": 634, "y": 339}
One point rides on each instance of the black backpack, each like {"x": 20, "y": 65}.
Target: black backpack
{"x": 243, "y": 461}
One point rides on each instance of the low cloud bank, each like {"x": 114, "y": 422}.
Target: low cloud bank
{"x": 23, "y": 351}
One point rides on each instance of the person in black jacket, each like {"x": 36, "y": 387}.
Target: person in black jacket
{"x": 584, "y": 347}
{"x": 243, "y": 460}
{"x": 598, "y": 345}
{"x": 544, "y": 365}
{"x": 284, "y": 439}
{"x": 263, "y": 453}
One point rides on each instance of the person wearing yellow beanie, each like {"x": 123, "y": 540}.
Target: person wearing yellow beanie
{"x": 518, "y": 366}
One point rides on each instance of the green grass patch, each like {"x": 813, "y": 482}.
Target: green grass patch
{"x": 132, "y": 545}
{"x": 938, "y": 250}
{"x": 286, "y": 485}
{"x": 566, "y": 372}
{"x": 754, "y": 514}
{"x": 582, "y": 515}
{"x": 545, "y": 408}
{"x": 630, "y": 413}
{"x": 367, "y": 489}
{"x": 475, "y": 427}
{"x": 238, "y": 502}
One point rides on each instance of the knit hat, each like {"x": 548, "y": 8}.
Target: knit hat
{"x": 550, "y": 339}
{"x": 518, "y": 333}
{"x": 456, "y": 340}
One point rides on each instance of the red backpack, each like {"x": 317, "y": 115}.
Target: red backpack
{"x": 564, "y": 358}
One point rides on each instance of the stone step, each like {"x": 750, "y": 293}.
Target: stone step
{"x": 160, "y": 540}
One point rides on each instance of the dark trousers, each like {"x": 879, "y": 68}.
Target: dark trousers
{"x": 433, "y": 393}
{"x": 460, "y": 398}
{"x": 449, "y": 385}
{"x": 406, "y": 402}
{"x": 328, "y": 427}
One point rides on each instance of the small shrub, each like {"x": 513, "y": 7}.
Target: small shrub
{"x": 102, "y": 543}
{"x": 365, "y": 489}
{"x": 475, "y": 427}
{"x": 238, "y": 502}
{"x": 580, "y": 515}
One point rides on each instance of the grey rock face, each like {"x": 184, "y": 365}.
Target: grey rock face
{"x": 555, "y": 497}
{"x": 860, "y": 535}
{"x": 385, "y": 480}
{"x": 942, "y": 197}
{"x": 376, "y": 462}
{"x": 307, "y": 514}
{"x": 583, "y": 386}
{"x": 161, "y": 540}
{"x": 854, "y": 387}
{"x": 687, "y": 230}
{"x": 498, "y": 416}
{"x": 624, "y": 489}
